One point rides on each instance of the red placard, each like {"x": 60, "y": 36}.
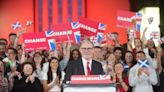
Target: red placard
{"x": 63, "y": 33}
{"x": 125, "y": 19}
{"x": 90, "y": 27}
{"x": 91, "y": 79}
{"x": 38, "y": 41}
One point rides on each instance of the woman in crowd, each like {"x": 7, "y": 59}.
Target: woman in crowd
{"x": 28, "y": 83}
{"x": 129, "y": 61}
{"x": 111, "y": 60}
{"x": 75, "y": 55}
{"x": 150, "y": 49}
{"x": 118, "y": 52}
{"x": 39, "y": 63}
{"x": 138, "y": 45}
{"x": 120, "y": 77}
{"x": 51, "y": 79}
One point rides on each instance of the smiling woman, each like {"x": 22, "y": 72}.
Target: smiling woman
{"x": 28, "y": 83}
{"x": 51, "y": 79}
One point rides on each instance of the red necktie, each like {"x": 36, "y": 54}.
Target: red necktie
{"x": 88, "y": 69}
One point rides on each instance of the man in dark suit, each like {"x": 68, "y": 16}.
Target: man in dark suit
{"x": 85, "y": 65}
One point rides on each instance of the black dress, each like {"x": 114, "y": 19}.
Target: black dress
{"x": 22, "y": 86}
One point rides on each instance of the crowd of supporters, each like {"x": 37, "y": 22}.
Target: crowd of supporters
{"x": 44, "y": 71}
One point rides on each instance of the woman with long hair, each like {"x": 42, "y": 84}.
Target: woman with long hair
{"x": 51, "y": 79}
{"x": 120, "y": 77}
{"x": 39, "y": 63}
{"x": 75, "y": 54}
{"x": 110, "y": 60}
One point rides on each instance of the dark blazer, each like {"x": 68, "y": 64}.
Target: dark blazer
{"x": 22, "y": 86}
{"x": 76, "y": 68}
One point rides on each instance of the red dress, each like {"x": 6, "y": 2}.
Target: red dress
{"x": 125, "y": 79}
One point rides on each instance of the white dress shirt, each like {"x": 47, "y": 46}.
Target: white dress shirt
{"x": 85, "y": 65}
{"x": 142, "y": 83}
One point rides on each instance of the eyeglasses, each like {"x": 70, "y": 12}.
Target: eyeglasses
{"x": 86, "y": 48}
{"x": 11, "y": 53}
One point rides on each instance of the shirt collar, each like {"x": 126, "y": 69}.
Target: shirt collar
{"x": 85, "y": 61}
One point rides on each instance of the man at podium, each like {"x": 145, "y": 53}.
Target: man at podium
{"x": 85, "y": 65}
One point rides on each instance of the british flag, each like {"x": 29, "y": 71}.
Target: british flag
{"x": 111, "y": 36}
{"x": 51, "y": 43}
{"x": 100, "y": 37}
{"x": 155, "y": 35}
{"x": 77, "y": 37}
{"x": 138, "y": 25}
{"x": 143, "y": 63}
{"x": 132, "y": 35}
{"x": 49, "y": 33}
{"x": 102, "y": 77}
{"x": 16, "y": 25}
{"x": 75, "y": 25}
{"x": 138, "y": 15}
{"x": 93, "y": 39}
{"x": 102, "y": 26}
{"x": 138, "y": 21}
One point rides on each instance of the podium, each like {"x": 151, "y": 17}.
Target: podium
{"x": 92, "y": 83}
{"x": 89, "y": 88}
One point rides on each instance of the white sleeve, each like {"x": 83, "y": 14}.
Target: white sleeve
{"x": 133, "y": 77}
{"x": 44, "y": 76}
{"x": 153, "y": 62}
{"x": 153, "y": 77}
{"x": 63, "y": 64}
{"x": 45, "y": 67}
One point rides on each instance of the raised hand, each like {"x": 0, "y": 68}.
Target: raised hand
{"x": 146, "y": 71}
{"x": 140, "y": 70}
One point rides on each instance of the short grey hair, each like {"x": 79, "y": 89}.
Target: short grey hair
{"x": 86, "y": 41}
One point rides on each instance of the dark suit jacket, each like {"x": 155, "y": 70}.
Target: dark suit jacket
{"x": 76, "y": 68}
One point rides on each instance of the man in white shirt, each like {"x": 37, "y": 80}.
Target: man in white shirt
{"x": 86, "y": 65}
{"x": 142, "y": 78}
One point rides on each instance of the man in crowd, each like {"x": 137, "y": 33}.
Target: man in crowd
{"x": 2, "y": 50}
{"x": 142, "y": 76}
{"x": 12, "y": 37}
